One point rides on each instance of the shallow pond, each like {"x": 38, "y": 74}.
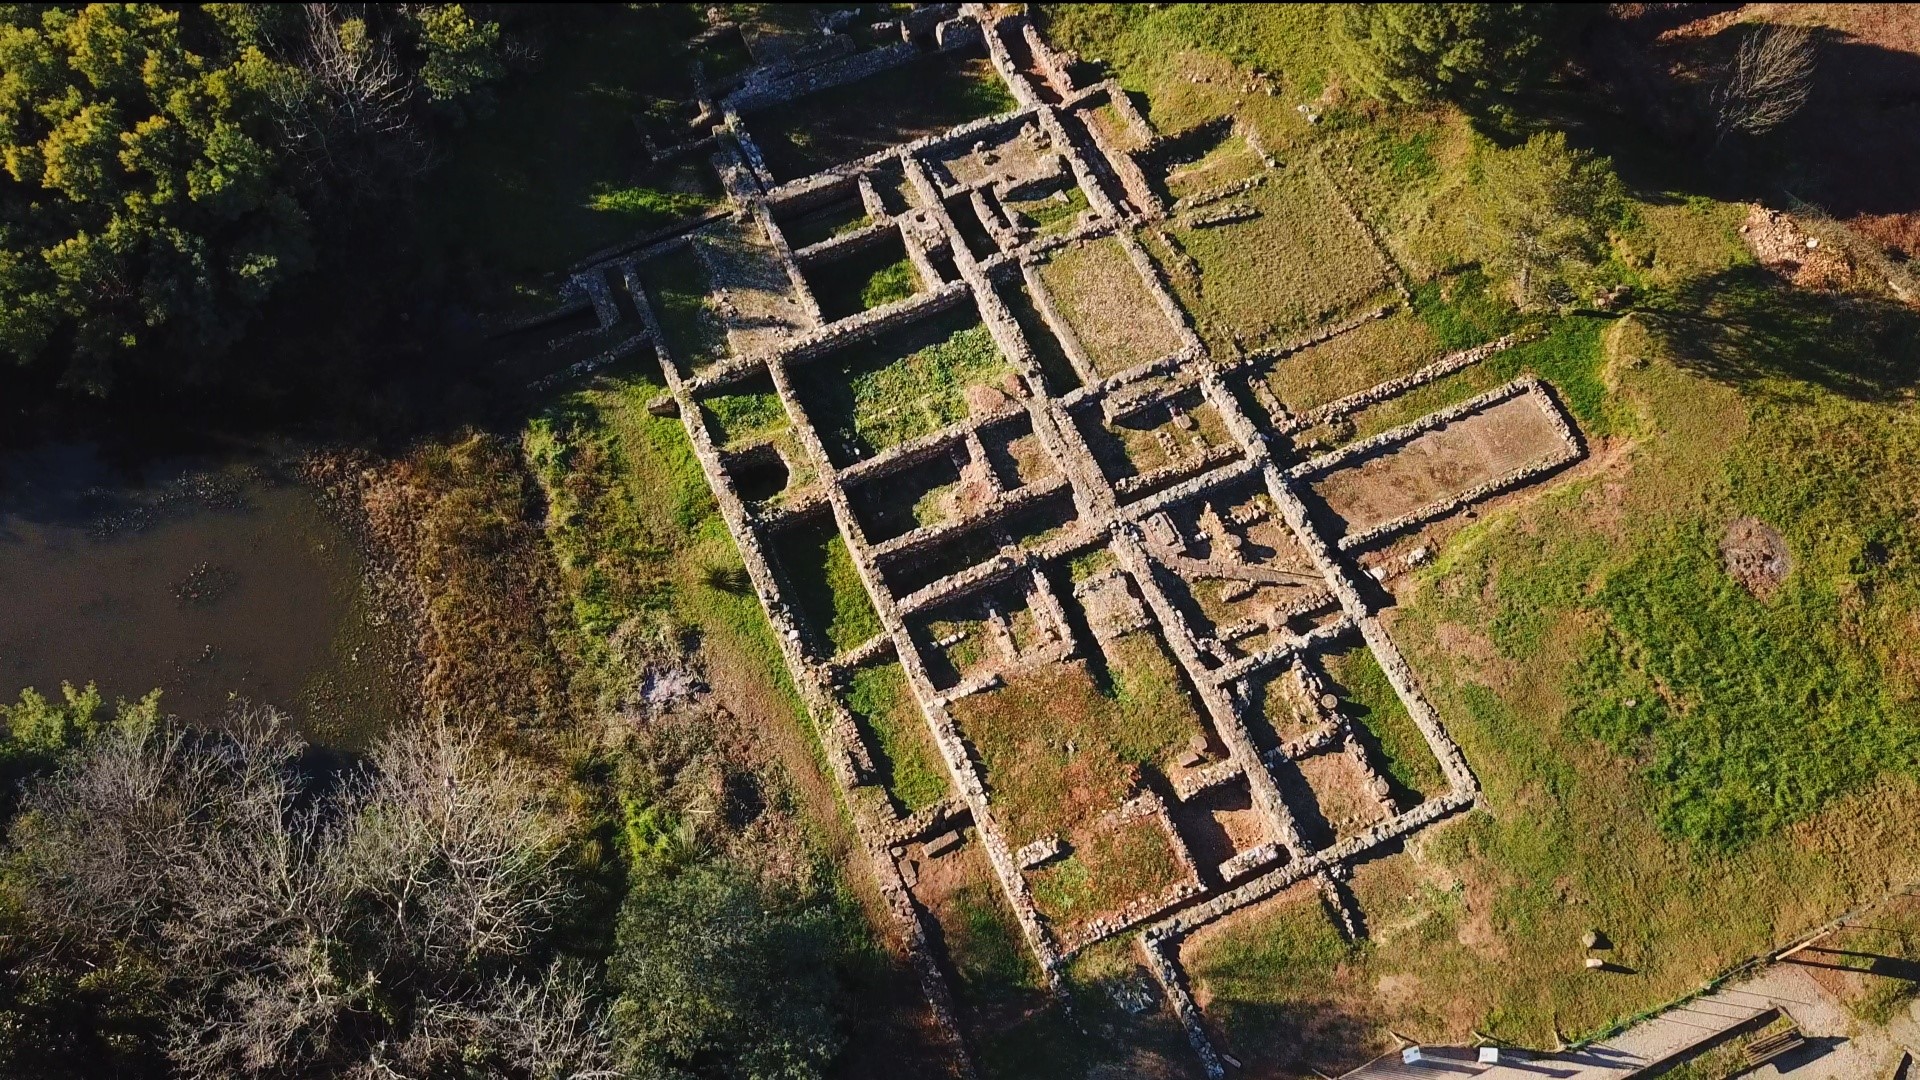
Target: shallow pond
{"x": 215, "y": 583}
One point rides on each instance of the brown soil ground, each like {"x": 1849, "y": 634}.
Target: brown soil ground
{"x": 1756, "y": 555}
{"x": 1439, "y": 464}
{"x": 1219, "y": 824}
{"x": 1778, "y": 242}
{"x": 1340, "y": 788}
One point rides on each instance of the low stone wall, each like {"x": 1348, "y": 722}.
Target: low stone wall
{"x": 1055, "y": 67}
{"x": 847, "y": 244}
{"x": 765, "y": 87}
{"x": 1023, "y": 89}
{"x": 1393, "y": 388}
{"x": 848, "y": 331}
{"x": 1003, "y": 506}
{"x": 1281, "y": 352}
{"x": 1391, "y": 437}
{"x": 1156, "y": 943}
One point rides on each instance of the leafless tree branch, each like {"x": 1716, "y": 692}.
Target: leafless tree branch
{"x": 1771, "y": 80}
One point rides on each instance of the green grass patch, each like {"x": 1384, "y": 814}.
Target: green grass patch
{"x": 990, "y": 956}
{"x": 1569, "y": 357}
{"x": 890, "y": 283}
{"x": 1363, "y": 357}
{"x": 677, "y": 285}
{"x": 1050, "y": 215}
{"x": 872, "y": 278}
{"x": 826, "y": 587}
{"x": 902, "y": 385}
{"x": 746, "y": 417}
{"x": 1463, "y": 310}
{"x": 910, "y": 766}
{"x": 1149, "y": 48}
{"x": 1386, "y": 730}
{"x": 643, "y": 208}
{"x": 1278, "y": 985}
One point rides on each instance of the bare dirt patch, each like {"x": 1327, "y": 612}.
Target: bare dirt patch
{"x": 1341, "y": 790}
{"x": 1440, "y": 464}
{"x": 1783, "y": 247}
{"x": 1756, "y": 555}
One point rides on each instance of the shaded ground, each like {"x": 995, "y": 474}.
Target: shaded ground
{"x": 860, "y": 118}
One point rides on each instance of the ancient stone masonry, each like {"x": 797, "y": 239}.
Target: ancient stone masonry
{"x": 1392, "y": 388}
{"x": 997, "y": 512}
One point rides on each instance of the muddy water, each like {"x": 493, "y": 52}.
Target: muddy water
{"x": 215, "y": 583}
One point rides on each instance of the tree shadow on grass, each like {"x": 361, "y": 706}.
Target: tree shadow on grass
{"x": 1323, "y": 1034}
{"x": 1746, "y": 325}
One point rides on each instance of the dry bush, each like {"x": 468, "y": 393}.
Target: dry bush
{"x": 1771, "y": 80}
{"x": 283, "y": 921}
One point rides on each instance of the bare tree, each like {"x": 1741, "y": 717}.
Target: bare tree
{"x": 456, "y": 846}
{"x": 1771, "y": 80}
{"x": 274, "y": 916}
{"x": 355, "y": 115}
{"x": 551, "y": 1029}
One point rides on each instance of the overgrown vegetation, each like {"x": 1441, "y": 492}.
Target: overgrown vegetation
{"x": 911, "y": 768}
{"x": 902, "y": 385}
{"x": 165, "y": 167}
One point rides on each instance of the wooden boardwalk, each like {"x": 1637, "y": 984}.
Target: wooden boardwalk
{"x": 1655, "y": 1041}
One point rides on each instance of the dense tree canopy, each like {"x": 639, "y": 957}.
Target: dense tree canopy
{"x": 1469, "y": 54}
{"x": 1546, "y": 207}
{"x": 161, "y": 167}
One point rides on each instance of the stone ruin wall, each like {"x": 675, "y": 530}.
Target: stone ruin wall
{"x": 1104, "y": 517}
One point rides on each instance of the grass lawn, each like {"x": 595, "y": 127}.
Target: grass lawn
{"x": 1391, "y": 739}
{"x": 897, "y": 106}
{"x": 909, "y": 763}
{"x": 1055, "y": 778}
{"x": 900, "y": 386}
{"x": 1266, "y": 280}
{"x": 873, "y": 278}
{"x": 1049, "y": 215}
{"x": 677, "y": 285}
{"x": 825, "y": 585}
{"x": 1108, "y": 306}
{"x": 1365, "y": 356}
{"x": 1107, "y": 868}
{"x": 747, "y": 415}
